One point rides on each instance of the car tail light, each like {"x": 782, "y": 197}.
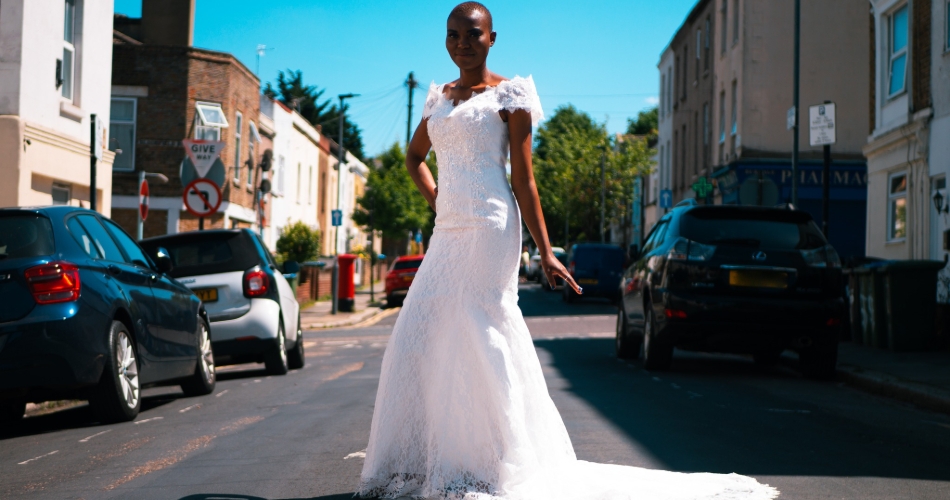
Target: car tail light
{"x": 825, "y": 256}
{"x": 685, "y": 249}
{"x": 54, "y": 282}
{"x": 256, "y": 282}
{"x": 675, "y": 313}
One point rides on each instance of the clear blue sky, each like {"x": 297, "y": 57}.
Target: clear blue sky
{"x": 598, "y": 55}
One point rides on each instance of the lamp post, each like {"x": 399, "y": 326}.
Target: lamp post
{"x": 339, "y": 186}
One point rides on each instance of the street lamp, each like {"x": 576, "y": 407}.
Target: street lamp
{"x": 339, "y": 185}
{"x": 938, "y": 203}
{"x": 140, "y": 224}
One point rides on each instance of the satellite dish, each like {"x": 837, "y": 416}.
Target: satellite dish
{"x": 266, "y": 160}
{"x": 265, "y": 186}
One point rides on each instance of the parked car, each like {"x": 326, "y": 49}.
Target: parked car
{"x": 535, "y": 273}
{"x": 596, "y": 267}
{"x": 88, "y": 315}
{"x": 253, "y": 310}
{"x": 733, "y": 279}
{"x": 400, "y": 277}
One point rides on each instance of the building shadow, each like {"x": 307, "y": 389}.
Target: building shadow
{"x": 534, "y": 300}
{"x": 226, "y": 496}
{"x": 743, "y": 429}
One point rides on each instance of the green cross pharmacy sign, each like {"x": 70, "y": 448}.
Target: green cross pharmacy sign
{"x": 702, "y": 188}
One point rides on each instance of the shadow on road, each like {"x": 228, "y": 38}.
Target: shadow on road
{"x": 219, "y": 496}
{"x": 738, "y": 426}
{"x": 536, "y": 301}
{"x": 252, "y": 371}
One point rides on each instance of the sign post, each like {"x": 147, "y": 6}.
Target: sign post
{"x": 666, "y": 199}
{"x": 98, "y": 135}
{"x": 143, "y": 206}
{"x": 821, "y": 122}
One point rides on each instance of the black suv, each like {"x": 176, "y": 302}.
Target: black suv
{"x": 733, "y": 279}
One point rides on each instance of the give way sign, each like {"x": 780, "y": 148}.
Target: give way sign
{"x": 202, "y": 197}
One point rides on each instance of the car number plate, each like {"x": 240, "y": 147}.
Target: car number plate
{"x": 207, "y": 294}
{"x": 758, "y": 279}
{"x": 587, "y": 281}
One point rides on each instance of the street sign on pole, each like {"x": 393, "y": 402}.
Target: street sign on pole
{"x": 790, "y": 118}
{"x": 202, "y": 198}
{"x": 821, "y": 122}
{"x": 100, "y": 140}
{"x": 337, "y": 216}
{"x": 203, "y": 153}
{"x": 666, "y": 198}
{"x": 143, "y": 199}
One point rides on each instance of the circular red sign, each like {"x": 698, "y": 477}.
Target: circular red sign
{"x": 143, "y": 199}
{"x": 202, "y": 197}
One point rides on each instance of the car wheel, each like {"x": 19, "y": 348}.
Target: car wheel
{"x": 276, "y": 360}
{"x": 657, "y": 354}
{"x": 818, "y": 363}
{"x": 295, "y": 360}
{"x": 12, "y": 411}
{"x": 626, "y": 347}
{"x": 202, "y": 381}
{"x": 767, "y": 357}
{"x": 118, "y": 397}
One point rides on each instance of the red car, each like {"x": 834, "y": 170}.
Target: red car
{"x": 400, "y": 277}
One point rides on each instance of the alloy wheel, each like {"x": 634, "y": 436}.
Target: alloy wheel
{"x": 128, "y": 370}
{"x": 207, "y": 355}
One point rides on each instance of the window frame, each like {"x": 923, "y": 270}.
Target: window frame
{"x": 892, "y": 199}
{"x": 68, "y": 74}
{"x": 251, "y": 155}
{"x": 114, "y": 121}
{"x": 734, "y": 127}
{"x": 725, "y": 27}
{"x": 238, "y": 136}
{"x": 735, "y": 22}
{"x": 706, "y": 43}
{"x": 904, "y": 52}
{"x": 204, "y": 126}
{"x": 58, "y": 186}
{"x": 722, "y": 117}
{"x": 699, "y": 51}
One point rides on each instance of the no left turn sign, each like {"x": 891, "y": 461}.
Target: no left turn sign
{"x": 202, "y": 197}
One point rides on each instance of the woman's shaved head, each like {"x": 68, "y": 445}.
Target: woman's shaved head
{"x": 469, "y": 9}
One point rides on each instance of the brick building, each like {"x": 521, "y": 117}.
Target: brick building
{"x": 165, "y": 90}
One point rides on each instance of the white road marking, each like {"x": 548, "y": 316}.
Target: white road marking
{"x": 258, "y": 381}
{"x": 147, "y": 420}
{"x": 46, "y": 455}
{"x": 192, "y": 407}
{"x": 86, "y": 440}
{"x": 785, "y": 410}
{"x": 222, "y": 393}
{"x": 357, "y": 454}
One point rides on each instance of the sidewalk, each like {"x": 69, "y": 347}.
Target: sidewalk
{"x": 318, "y": 315}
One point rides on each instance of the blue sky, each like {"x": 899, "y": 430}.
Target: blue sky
{"x": 600, "y": 56}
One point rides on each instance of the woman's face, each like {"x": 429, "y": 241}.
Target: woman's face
{"x": 468, "y": 39}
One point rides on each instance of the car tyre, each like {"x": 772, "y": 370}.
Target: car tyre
{"x": 819, "y": 364}
{"x": 626, "y": 346}
{"x": 202, "y": 381}
{"x": 296, "y": 359}
{"x": 12, "y": 411}
{"x": 657, "y": 353}
{"x": 276, "y": 360}
{"x": 118, "y": 396}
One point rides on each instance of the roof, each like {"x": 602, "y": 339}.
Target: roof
{"x": 119, "y": 38}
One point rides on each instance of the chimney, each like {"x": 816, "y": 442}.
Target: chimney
{"x": 168, "y": 22}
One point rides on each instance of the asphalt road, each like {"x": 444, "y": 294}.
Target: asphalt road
{"x": 301, "y": 436}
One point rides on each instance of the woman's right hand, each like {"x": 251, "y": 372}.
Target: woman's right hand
{"x": 553, "y": 268}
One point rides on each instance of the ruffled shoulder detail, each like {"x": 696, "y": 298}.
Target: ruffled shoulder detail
{"x": 520, "y": 93}
{"x": 432, "y": 99}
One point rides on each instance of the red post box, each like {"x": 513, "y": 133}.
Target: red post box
{"x": 346, "y": 291}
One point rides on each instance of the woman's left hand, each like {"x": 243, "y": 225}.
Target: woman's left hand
{"x": 553, "y": 268}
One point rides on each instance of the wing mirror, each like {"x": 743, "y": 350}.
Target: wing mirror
{"x": 163, "y": 260}
{"x": 633, "y": 253}
{"x": 291, "y": 267}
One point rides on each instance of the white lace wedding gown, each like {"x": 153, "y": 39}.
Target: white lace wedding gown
{"x": 463, "y": 411}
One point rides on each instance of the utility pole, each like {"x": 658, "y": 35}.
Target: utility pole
{"x": 339, "y": 187}
{"x": 795, "y": 81}
{"x": 412, "y": 84}
{"x": 603, "y": 193}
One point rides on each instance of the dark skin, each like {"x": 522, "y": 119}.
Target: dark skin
{"x": 468, "y": 40}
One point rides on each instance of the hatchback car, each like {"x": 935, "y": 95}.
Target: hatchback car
{"x": 399, "y": 278}
{"x": 252, "y": 308}
{"x": 87, "y": 315}
{"x": 733, "y": 279}
{"x": 596, "y": 267}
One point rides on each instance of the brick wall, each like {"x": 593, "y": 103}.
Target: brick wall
{"x": 920, "y": 53}
{"x": 156, "y": 224}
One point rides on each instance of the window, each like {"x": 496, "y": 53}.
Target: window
{"x": 706, "y": 43}
{"x": 662, "y": 95}
{"x": 298, "y": 182}
{"x": 323, "y": 196}
{"x": 238, "y": 125}
{"x": 281, "y": 168}
{"x": 735, "y": 21}
{"x": 897, "y": 206}
{"x": 310, "y": 187}
{"x": 685, "y": 66}
{"x": 61, "y": 195}
{"x": 132, "y": 250}
{"x": 209, "y": 120}
{"x": 898, "y": 51}
{"x": 69, "y": 49}
{"x": 122, "y": 132}
{"x": 251, "y": 157}
{"x": 706, "y": 124}
{"x": 735, "y": 108}
{"x": 724, "y": 24}
{"x": 104, "y": 244}
{"x": 669, "y": 88}
{"x": 82, "y": 237}
{"x": 722, "y": 118}
{"x": 946, "y": 30}
{"x": 699, "y": 50}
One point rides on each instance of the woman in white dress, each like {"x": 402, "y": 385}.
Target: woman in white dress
{"x": 462, "y": 411}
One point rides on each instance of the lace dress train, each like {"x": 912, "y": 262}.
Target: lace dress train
{"x": 462, "y": 410}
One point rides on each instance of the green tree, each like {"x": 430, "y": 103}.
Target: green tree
{"x": 391, "y": 203}
{"x": 298, "y": 242}
{"x": 647, "y": 123}
{"x": 305, "y": 99}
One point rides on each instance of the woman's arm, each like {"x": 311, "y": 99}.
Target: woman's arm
{"x": 526, "y": 192}
{"x": 416, "y": 163}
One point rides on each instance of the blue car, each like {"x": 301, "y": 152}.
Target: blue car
{"x": 87, "y": 315}
{"x": 597, "y": 268}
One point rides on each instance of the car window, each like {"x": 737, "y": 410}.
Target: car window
{"x": 407, "y": 264}
{"x": 104, "y": 243}
{"x": 753, "y": 228}
{"x": 136, "y": 255}
{"x": 655, "y": 236}
{"x": 82, "y": 237}
{"x": 263, "y": 248}
{"x": 25, "y": 235}
{"x": 598, "y": 258}
{"x": 205, "y": 252}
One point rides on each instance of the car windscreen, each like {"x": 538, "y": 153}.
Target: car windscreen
{"x": 598, "y": 258}
{"x": 407, "y": 264}
{"x": 778, "y": 229}
{"x": 195, "y": 254}
{"x": 25, "y": 235}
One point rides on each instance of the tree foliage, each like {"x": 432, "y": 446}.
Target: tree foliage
{"x": 391, "y": 202}
{"x": 305, "y": 99}
{"x": 298, "y": 242}
{"x": 569, "y": 150}
{"x": 646, "y": 123}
